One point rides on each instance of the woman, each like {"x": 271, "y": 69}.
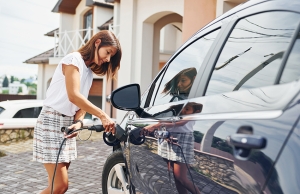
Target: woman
{"x": 180, "y": 85}
{"x": 66, "y": 104}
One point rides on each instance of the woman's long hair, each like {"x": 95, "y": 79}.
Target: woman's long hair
{"x": 88, "y": 53}
{"x": 171, "y": 86}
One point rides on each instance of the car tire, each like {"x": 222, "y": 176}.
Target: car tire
{"x": 114, "y": 174}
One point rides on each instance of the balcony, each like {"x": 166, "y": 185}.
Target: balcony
{"x": 68, "y": 41}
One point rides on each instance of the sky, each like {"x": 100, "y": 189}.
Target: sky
{"x": 23, "y": 24}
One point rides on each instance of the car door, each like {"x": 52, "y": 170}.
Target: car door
{"x": 245, "y": 117}
{"x": 286, "y": 169}
{"x": 165, "y": 98}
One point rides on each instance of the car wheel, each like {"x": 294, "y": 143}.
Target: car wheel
{"x": 114, "y": 178}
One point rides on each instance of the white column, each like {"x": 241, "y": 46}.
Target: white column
{"x": 127, "y": 41}
{"x": 116, "y": 23}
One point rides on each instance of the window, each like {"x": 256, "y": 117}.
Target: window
{"x": 292, "y": 66}
{"x": 87, "y": 21}
{"x": 1, "y": 110}
{"x": 144, "y": 98}
{"x": 28, "y": 113}
{"x": 88, "y": 116}
{"x": 253, "y": 52}
{"x": 180, "y": 74}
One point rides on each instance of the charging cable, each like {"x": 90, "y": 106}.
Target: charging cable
{"x": 97, "y": 128}
{"x": 165, "y": 135}
{"x": 174, "y": 141}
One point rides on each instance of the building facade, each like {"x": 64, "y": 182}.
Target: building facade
{"x": 150, "y": 31}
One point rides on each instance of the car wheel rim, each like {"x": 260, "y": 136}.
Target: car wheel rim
{"x": 117, "y": 181}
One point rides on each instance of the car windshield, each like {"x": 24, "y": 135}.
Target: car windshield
{"x": 1, "y": 109}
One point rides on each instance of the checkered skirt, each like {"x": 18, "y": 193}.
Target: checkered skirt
{"x": 174, "y": 153}
{"x": 48, "y": 138}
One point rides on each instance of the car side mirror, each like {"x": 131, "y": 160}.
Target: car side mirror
{"x": 126, "y": 97}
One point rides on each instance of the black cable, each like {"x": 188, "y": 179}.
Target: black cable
{"x": 69, "y": 132}
{"x": 97, "y": 128}
{"x": 84, "y": 139}
{"x": 56, "y": 164}
{"x": 187, "y": 167}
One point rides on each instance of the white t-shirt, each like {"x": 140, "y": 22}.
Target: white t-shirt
{"x": 186, "y": 128}
{"x": 56, "y": 96}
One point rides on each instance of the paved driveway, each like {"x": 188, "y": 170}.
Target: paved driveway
{"x": 20, "y": 175}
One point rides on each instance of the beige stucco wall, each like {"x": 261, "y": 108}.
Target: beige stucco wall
{"x": 197, "y": 13}
{"x": 137, "y": 19}
{"x": 137, "y": 40}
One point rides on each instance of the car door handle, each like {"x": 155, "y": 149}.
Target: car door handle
{"x": 247, "y": 141}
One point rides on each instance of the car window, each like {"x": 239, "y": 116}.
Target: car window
{"x": 144, "y": 97}
{"x": 158, "y": 80}
{"x": 180, "y": 74}
{"x": 1, "y": 109}
{"x": 28, "y": 113}
{"x": 253, "y": 52}
{"x": 88, "y": 116}
{"x": 291, "y": 71}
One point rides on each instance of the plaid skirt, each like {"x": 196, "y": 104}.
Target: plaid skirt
{"x": 174, "y": 153}
{"x": 48, "y": 138}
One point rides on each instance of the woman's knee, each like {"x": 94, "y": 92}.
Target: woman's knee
{"x": 182, "y": 179}
{"x": 60, "y": 188}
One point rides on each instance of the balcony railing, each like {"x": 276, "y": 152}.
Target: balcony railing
{"x": 68, "y": 41}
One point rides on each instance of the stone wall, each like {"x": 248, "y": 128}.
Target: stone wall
{"x": 219, "y": 169}
{"x": 13, "y": 135}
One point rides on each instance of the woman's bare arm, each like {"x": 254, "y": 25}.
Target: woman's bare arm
{"x": 72, "y": 79}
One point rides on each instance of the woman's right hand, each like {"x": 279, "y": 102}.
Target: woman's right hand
{"x": 108, "y": 124}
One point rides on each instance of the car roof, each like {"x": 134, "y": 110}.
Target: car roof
{"x": 20, "y": 103}
{"x": 232, "y": 11}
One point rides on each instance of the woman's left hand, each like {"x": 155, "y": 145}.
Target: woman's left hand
{"x": 73, "y": 127}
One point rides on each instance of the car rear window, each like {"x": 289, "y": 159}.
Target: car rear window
{"x": 1, "y": 109}
{"x": 28, "y": 113}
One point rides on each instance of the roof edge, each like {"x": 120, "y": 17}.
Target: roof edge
{"x": 91, "y": 3}
{"x": 55, "y": 8}
{"x": 41, "y": 61}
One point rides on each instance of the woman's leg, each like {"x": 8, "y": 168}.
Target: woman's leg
{"x": 180, "y": 187}
{"x": 181, "y": 179}
{"x": 60, "y": 180}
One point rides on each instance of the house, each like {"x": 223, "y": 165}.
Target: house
{"x": 17, "y": 88}
{"x": 149, "y": 32}
{"x": 79, "y": 20}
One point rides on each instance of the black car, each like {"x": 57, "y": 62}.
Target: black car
{"x": 222, "y": 116}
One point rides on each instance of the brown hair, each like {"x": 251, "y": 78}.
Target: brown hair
{"x": 171, "y": 86}
{"x": 197, "y": 107}
{"x": 88, "y": 53}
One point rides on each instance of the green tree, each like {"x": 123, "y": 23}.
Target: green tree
{"x": 198, "y": 136}
{"x": 31, "y": 92}
{"x": 22, "y": 80}
{"x": 20, "y": 90}
{"x": 11, "y": 79}
{"x": 5, "y": 82}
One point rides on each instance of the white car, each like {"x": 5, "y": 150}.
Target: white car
{"x": 24, "y": 113}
